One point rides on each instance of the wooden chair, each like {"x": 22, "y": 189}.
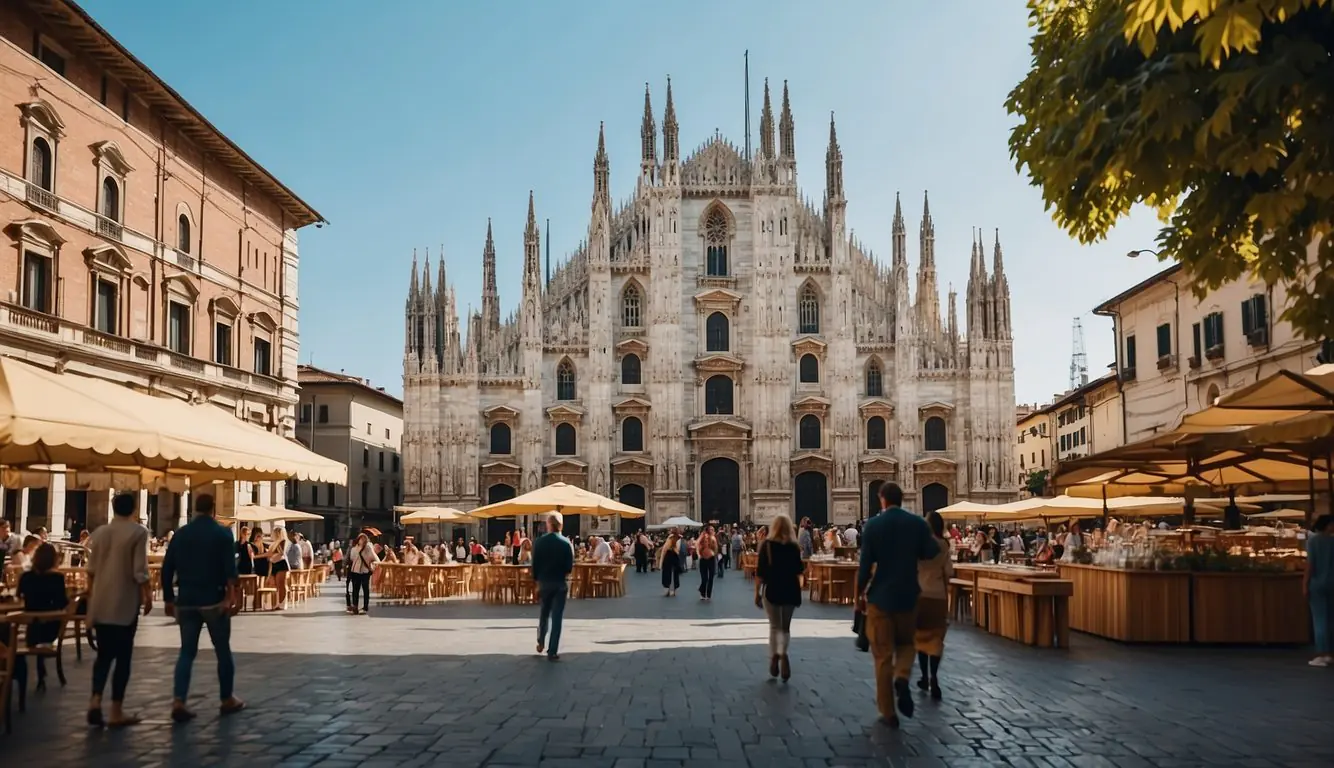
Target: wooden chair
{"x": 248, "y": 584}
{"x": 9, "y": 641}
{"x": 298, "y": 586}
{"x": 266, "y": 597}
{"x": 24, "y": 650}
{"x": 960, "y": 597}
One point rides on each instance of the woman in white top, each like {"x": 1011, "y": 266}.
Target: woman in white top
{"x": 932, "y": 607}
{"x": 412, "y": 555}
{"x": 601, "y": 551}
{"x": 1073, "y": 540}
{"x": 361, "y": 563}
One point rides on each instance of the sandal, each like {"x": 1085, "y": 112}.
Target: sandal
{"x": 95, "y": 718}
{"x": 231, "y": 707}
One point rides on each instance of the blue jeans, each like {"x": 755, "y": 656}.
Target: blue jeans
{"x": 1322, "y": 618}
{"x": 552, "y": 596}
{"x": 191, "y": 622}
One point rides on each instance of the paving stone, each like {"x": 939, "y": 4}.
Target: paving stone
{"x": 647, "y": 681}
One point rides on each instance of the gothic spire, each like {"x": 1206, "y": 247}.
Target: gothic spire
{"x": 440, "y": 277}
{"x": 670, "y": 147}
{"x": 997, "y": 264}
{"x": 489, "y": 261}
{"x": 767, "y": 125}
{"x": 532, "y": 244}
{"x": 787, "y": 142}
{"x": 900, "y": 236}
{"x": 412, "y": 286}
{"x": 648, "y": 133}
{"x": 928, "y": 234}
{"x": 833, "y": 165}
{"x": 426, "y": 277}
{"x": 601, "y": 174}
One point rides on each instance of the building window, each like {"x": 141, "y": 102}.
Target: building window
{"x": 381, "y": 458}
{"x": 365, "y": 493}
{"x": 366, "y": 457}
{"x": 305, "y": 413}
{"x": 52, "y": 58}
{"x": 717, "y": 233}
{"x": 934, "y": 434}
{"x": 875, "y": 382}
{"x": 395, "y": 469}
{"x": 718, "y": 395}
{"x": 1255, "y": 320}
{"x": 40, "y": 169}
{"x": 324, "y": 414}
{"x": 382, "y": 496}
{"x": 107, "y": 311}
{"x": 263, "y": 357}
{"x": 565, "y": 440}
{"x": 110, "y": 199}
{"x": 37, "y": 282}
{"x": 314, "y": 495}
{"x": 1213, "y": 334}
{"x": 1129, "y": 363}
{"x": 565, "y": 389}
{"x": 183, "y": 233}
{"x": 386, "y": 433}
{"x": 717, "y": 337}
{"x": 500, "y": 440}
{"x": 630, "y": 307}
{"x": 809, "y": 310}
{"x": 630, "y": 373}
{"x": 1164, "y": 340}
{"x": 875, "y": 433}
{"x": 368, "y": 427}
{"x": 808, "y": 433}
{"x": 809, "y": 370}
{"x": 222, "y": 343}
{"x": 1195, "y": 343}
{"x": 178, "y": 327}
{"x": 632, "y": 435}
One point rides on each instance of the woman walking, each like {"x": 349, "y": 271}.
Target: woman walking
{"x": 932, "y": 607}
{"x": 278, "y": 567}
{"x": 362, "y": 560}
{"x": 669, "y": 562}
{"x": 641, "y": 552}
{"x": 778, "y": 589}
{"x": 707, "y": 547}
{"x": 1318, "y": 584}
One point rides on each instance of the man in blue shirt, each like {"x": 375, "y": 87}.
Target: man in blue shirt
{"x": 553, "y": 560}
{"x": 887, "y": 588}
{"x": 199, "y": 589}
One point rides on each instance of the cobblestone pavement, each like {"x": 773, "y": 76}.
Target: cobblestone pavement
{"x": 651, "y": 681}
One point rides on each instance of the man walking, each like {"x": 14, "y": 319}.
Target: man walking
{"x": 119, "y": 591}
{"x": 553, "y": 560}
{"x": 892, "y": 543}
{"x": 707, "y": 548}
{"x": 199, "y": 590}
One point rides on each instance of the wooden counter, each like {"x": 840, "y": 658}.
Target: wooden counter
{"x": 1183, "y": 607}
{"x": 1253, "y": 608}
{"x": 1030, "y": 605}
{"x": 1130, "y": 606}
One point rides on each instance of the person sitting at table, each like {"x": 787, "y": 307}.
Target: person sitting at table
{"x": 477, "y": 552}
{"x": 602, "y": 553}
{"x": 412, "y": 555}
{"x": 42, "y": 589}
{"x": 1045, "y": 554}
{"x": 23, "y": 558}
{"x": 460, "y": 551}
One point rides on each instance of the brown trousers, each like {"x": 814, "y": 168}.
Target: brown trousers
{"x": 892, "y": 647}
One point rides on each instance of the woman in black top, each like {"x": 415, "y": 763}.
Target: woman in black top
{"x": 245, "y": 559}
{"x": 42, "y": 589}
{"x": 258, "y": 562}
{"x": 669, "y": 562}
{"x": 778, "y": 589}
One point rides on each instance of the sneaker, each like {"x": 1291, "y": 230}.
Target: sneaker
{"x": 903, "y": 697}
{"x": 773, "y": 666}
{"x": 1321, "y": 661}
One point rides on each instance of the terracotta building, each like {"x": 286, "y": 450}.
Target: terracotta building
{"x": 140, "y": 244}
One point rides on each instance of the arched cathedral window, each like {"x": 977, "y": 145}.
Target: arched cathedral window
{"x": 875, "y": 433}
{"x": 630, "y": 306}
{"x": 717, "y": 337}
{"x": 630, "y": 369}
{"x": 718, "y": 395}
{"x": 808, "y": 370}
{"x": 809, "y": 310}
{"x": 808, "y": 433}
{"x": 935, "y": 434}
{"x": 875, "y": 385}
{"x": 565, "y": 388}
{"x": 717, "y": 233}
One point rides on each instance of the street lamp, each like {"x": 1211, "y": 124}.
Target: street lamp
{"x": 1135, "y": 253}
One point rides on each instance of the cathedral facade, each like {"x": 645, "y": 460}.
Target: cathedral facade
{"x": 718, "y": 348}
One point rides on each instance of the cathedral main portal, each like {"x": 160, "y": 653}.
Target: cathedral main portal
{"x": 720, "y": 491}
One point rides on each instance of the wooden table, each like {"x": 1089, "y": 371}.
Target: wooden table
{"x": 1030, "y": 605}
{"x": 832, "y": 581}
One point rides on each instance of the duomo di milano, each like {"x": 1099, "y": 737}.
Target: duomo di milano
{"x": 718, "y": 348}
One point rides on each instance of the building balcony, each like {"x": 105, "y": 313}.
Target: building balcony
{"x": 110, "y": 229}
{"x": 40, "y": 329}
{"x": 43, "y": 197}
{"x": 185, "y": 261}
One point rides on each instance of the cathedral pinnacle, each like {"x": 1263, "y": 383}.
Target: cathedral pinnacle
{"x": 601, "y": 173}
{"x": 998, "y": 266}
{"x": 767, "y": 125}
{"x": 787, "y": 142}
{"x": 670, "y": 146}
{"x": 426, "y": 277}
{"x": 532, "y": 244}
{"x": 898, "y": 213}
{"x": 489, "y": 262}
{"x": 412, "y": 287}
{"x": 648, "y": 132}
{"x": 833, "y": 165}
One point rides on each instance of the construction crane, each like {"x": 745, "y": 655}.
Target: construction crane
{"x": 1079, "y": 361}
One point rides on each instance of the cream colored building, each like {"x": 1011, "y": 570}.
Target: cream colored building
{"x": 1033, "y": 451}
{"x": 346, "y": 419}
{"x": 140, "y": 245}
{"x": 1176, "y": 354}
{"x": 1079, "y": 423}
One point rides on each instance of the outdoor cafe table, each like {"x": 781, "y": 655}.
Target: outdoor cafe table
{"x": 420, "y": 583}
{"x": 1030, "y": 605}
{"x": 831, "y": 581}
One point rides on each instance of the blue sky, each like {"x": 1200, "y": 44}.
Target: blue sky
{"x": 409, "y": 126}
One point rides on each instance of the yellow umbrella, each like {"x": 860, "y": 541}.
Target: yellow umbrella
{"x": 1280, "y": 514}
{"x": 432, "y": 515}
{"x": 558, "y": 497}
{"x": 257, "y": 513}
{"x": 965, "y": 510}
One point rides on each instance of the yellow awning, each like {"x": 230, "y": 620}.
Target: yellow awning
{"x": 93, "y": 425}
{"x": 413, "y": 515}
{"x": 258, "y": 513}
